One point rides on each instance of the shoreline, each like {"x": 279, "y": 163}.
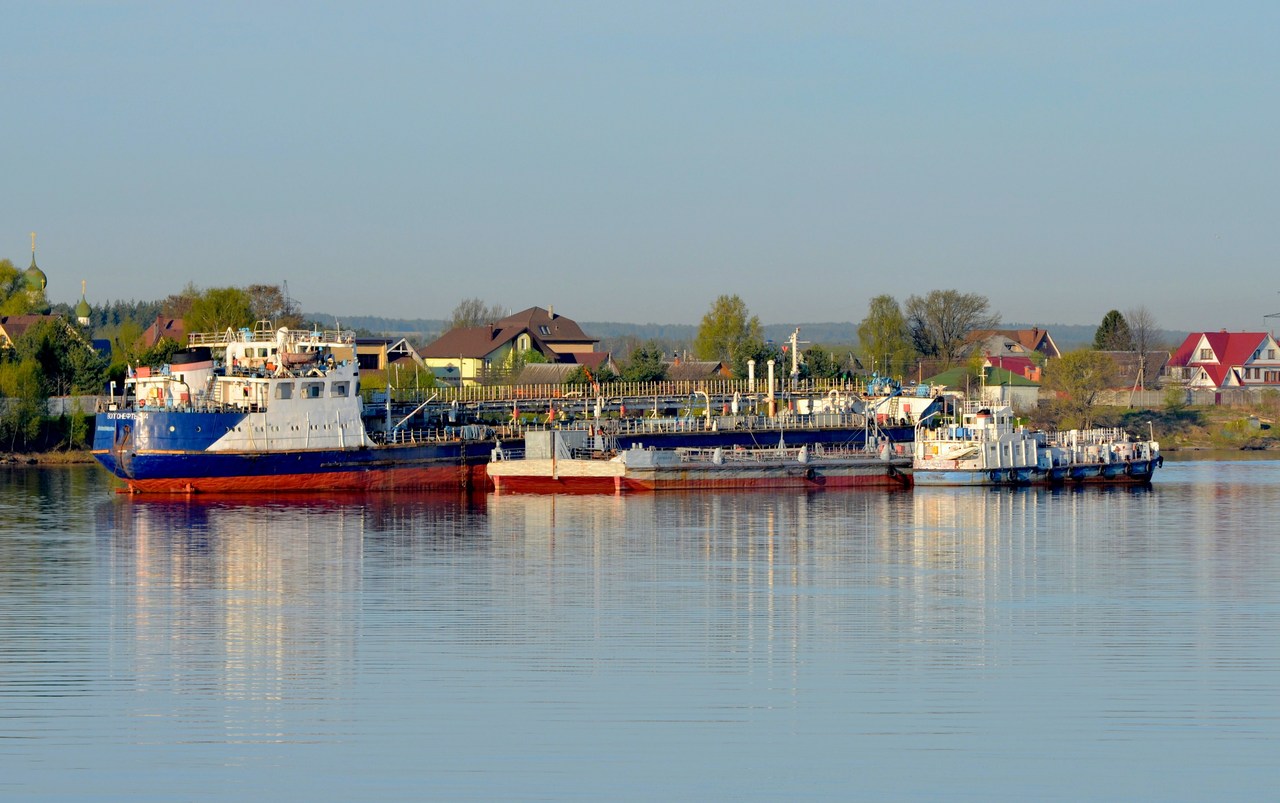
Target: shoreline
{"x": 75, "y": 457}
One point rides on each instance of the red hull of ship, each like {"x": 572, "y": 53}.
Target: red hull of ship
{"x": 382, "y": 479}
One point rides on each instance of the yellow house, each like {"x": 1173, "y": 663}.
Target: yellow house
{"x": 475, "y": 354}
{"x": 376, "y": 353}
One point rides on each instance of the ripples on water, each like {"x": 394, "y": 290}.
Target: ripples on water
{"x": 1017, "y": 644}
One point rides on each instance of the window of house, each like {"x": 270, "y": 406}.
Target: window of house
{"x": 1271, "y": 354}
{"x": 544, "y": 330}
{"x": 284, "y": 390}
{"x": 1206, "y": 354}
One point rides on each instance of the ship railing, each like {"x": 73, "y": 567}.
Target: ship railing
{"x": 196, "y": 406}
{"x": 503, "y": 453}
{"x": 1101, "y": 445}
{"x": 781, "y": 423}
{"x": 246, "y": 335}
{"x": 397, "y": 436}
{"x": 466, "y": 432}
{"x": 771, "y": 455}
{"x": 958, "y": 434}
{"x": 1090, "y": 437}
{"x": 587, "y": 454}
{"x": 640, "y": 393}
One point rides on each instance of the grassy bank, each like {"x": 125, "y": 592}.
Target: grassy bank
{"x": 1194, "y": 428}
{"x": 60, "y": 457}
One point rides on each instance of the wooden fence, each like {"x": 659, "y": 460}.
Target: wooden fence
{"x": 616, "y": 390}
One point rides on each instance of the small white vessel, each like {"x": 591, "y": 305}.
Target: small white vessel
{"x": 986, "y": 446}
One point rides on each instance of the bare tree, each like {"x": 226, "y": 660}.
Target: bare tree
{"x": 1143, "y": 331}
{"x": 475, "y": 312}
{"x": 1080, "y": 376}
{"x": 941, "y": 321}
{"x": 270, "y": 302}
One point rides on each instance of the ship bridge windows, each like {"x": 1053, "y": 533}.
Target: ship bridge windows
{"x": 312, "y": 390}
{"x": 340, "y": 389}
{"x": 284, "y": 390}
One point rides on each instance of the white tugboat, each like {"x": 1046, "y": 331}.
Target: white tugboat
{"x": 986, "y": 446}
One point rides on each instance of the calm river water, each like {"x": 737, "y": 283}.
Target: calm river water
{"x": 1026, "y": 644}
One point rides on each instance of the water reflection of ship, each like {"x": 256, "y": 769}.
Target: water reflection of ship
{"x": 229, "y": 599}
{"x": 239, "y": 607}
{"x": 961, "y": 528}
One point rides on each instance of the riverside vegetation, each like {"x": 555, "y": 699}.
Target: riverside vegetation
{"x": 52, "y": 359}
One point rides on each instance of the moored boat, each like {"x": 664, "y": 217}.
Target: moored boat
{"x": 568, "y": 462}
{"x": 272, "y": 410}
{"x": 281, "y": 410}
{"x": 985, "y": 446}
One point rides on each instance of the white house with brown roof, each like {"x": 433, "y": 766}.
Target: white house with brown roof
{"x": 1014, "y": 342}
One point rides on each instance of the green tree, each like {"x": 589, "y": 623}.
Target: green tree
{"x": 1113, "y": 333}
{"x": 941, "y": 321}
{"x": 1175, "y": 399}
{"x": 67, "y": 362}
{"x": 584, "y": 376}
{"x": 754, "y": 348}
{"x": 645, "y": 364}
{"x": 886, "y": 338}
{"x": 124, "y": 338}
{"x": 515, "y": 363}
{"x": 159, "y": 354}
{"x": 1080, "y": 376}
{"x": 25, "y": 394}
{"x": 725, "y": 329}
{"x": 78, "y": 423}
{"x": 218, "y": 309}
{"x": 15, "y": 298}
{"x": 818, "y": 364}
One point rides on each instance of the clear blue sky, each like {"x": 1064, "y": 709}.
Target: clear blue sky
{"x": 632, "y": 161}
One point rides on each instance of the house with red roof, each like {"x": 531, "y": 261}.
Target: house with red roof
{"x": 1225, "y": 359}
{"x": 1014, "y": 364}
{"x": 164, "y": 328}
